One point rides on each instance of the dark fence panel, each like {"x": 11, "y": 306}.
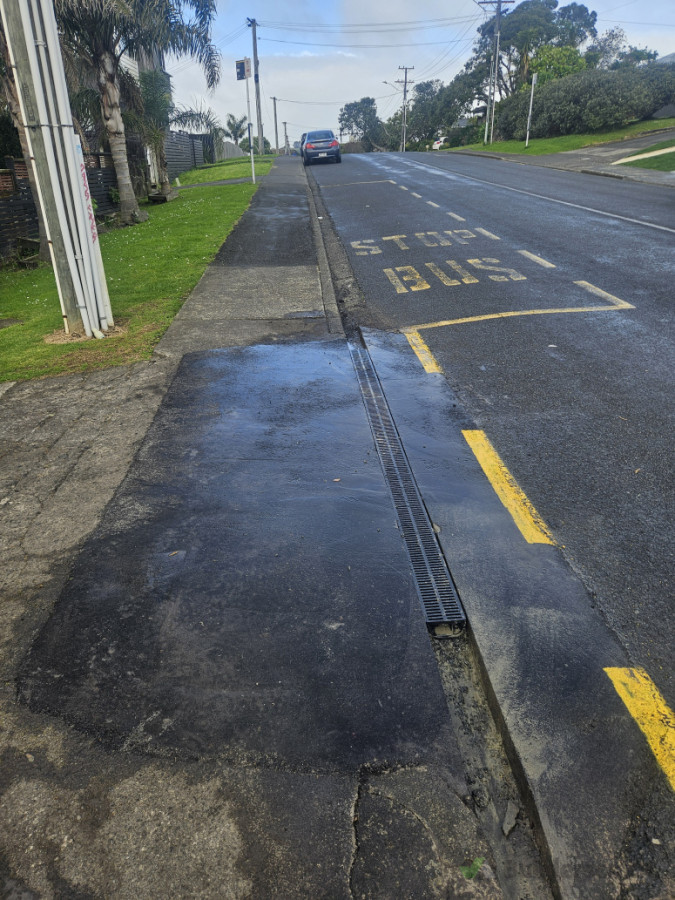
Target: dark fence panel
{"x": 183, "y": 152}
{"x": 18, "y": 216}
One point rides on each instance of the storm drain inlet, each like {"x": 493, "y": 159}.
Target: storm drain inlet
{"x": 441, "y": 604}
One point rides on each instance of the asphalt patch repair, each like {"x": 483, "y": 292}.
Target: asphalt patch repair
{"x": 247, "y": 594}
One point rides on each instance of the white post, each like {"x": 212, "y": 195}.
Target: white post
{"x": 529, "y": 115}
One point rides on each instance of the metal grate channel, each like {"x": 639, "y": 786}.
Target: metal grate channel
{"x": 440, "y": 601}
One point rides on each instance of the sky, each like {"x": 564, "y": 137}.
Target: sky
{"x": 317, "y": 56}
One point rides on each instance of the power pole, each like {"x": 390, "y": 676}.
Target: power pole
{"x": 256, "y": 78}
{"x": 287, "y": 149}
{"x": 276, "y": 133}
{"x": 404, "y": 114}
{"x": 494, "y": 69}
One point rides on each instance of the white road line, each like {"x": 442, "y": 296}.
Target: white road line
{"x": 505, "y": 187}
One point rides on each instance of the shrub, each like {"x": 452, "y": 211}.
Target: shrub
{"x": 587, "y": 101}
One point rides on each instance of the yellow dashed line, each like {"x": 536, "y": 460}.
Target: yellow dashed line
{"x": 651, "y": 712}
{"x": 455, "y": 216}
{"x": 539, "y": 261}
{"x": 616, "y": 303}
{"x": 526, "y": 517}
{"x": 424, "y": 354}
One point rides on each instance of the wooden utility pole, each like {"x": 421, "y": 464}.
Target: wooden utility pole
{"x": 276, "y": 132}
{"x": 494, "y": 69}
{"x": 404, "y": 114}
{"x": 256, "y": 79}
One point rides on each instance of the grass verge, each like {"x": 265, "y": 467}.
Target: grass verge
{"x": 240, "y": 167}
{"x": 541, "y": 146}
{"x": 663, "y": 163}
{"x": 150, "y": 269}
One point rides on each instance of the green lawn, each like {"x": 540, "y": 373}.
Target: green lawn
{"x": 240, "y": 167}
{"x": 150, "y": 269}
{"x": 663, "y": 163}
{"x": 540, "y": 146}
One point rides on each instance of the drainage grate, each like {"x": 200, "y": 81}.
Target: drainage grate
{"x": 437, "y": 593}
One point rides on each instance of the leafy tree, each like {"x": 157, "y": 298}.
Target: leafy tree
{"x": 610, "y": 51}
{"x": 422, "y": 120}
{"x": 360, "y": 119}
{"x": 235, "y": 128}
{"x": 99, "y": 32}
{"x": 246, "y": 147}
{"x": 556, "y": 62}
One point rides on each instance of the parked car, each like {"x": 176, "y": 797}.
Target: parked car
{"x": 439, "y": 143}
{"x": 320, "y": 145}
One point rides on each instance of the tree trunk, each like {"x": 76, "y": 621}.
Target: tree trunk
{"x": 163, "y": 168}
{"x": 112, "y": 117}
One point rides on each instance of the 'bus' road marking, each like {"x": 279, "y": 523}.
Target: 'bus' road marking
{"x": 651, "y": 712}
{"x": 540, "y": 262}
{"x": 523, "y": 513}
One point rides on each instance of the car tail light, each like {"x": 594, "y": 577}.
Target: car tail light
{"x": 334, "y": 144}
{"x": 310, "y": 147}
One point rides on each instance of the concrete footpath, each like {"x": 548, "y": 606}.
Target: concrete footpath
{"x": 217, "y": 680}
{"x": 216, "y": 676}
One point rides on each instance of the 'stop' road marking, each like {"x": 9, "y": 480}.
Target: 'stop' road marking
{"x": 651, "y": 712}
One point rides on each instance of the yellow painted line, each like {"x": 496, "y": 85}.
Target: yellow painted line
{"x": 616, "y": 303}
{"x": 424, "y": 354}
{"x": 540, "y": 262}
{"x": 651, "y": 712}
{"x": 403, "y": 187}
{"x": 526, "y": 517}
{"x": 486, "y": 233}
{"x": 455, "y": 216}
{"x": 431, "y": 203}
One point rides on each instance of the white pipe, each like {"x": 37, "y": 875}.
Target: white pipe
{"x": 43, "y": 124}
{"x": 63, "y": 134}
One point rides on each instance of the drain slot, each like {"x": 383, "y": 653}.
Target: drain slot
{"x": 437, "y": 593}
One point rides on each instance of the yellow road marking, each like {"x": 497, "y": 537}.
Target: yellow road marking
{"x": 651, "y": 712}
{"x": 522, "y": 512}
{"x": 455, "y": 216}
{"x": 424, "y": 354}
{"x": 486, "y": 233}
{"x": 419, "y": 196}
{"x": 540, "y": 262}
{"x": 592, "y": 289}
{"x": 431, "y": 203}
{"x": 403, "y": 187}
{"x": 615, "y": 303}
{"x": 440, "y": 274}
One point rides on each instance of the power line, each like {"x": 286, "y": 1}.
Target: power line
{"x": 358, "y": 46}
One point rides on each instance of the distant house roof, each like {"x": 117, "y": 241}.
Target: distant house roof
{"x": 667, "y": 60}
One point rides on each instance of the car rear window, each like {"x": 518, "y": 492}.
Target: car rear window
{"x": 320, "y": 136}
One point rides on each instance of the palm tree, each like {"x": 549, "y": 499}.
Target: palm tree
{"x": 235, "y": 128}
{"x": 99, "y": 32}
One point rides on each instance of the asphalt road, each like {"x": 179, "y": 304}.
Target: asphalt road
{"x": 544, "y": 297}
